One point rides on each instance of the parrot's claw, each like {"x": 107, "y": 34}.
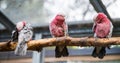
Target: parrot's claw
{"x": 8, "y": 43}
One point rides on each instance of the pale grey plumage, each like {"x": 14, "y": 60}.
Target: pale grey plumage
{"x": 25, "y": 35}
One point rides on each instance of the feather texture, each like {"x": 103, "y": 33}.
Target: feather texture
{"x": 59, "y": 28}
{"x": 102, "y": 28}
{"x": 25, "y": 35}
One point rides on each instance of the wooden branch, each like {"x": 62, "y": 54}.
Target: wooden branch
{"x": 36, "y": 45}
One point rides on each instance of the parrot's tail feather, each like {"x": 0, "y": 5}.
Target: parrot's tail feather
{"x": 94, "y": 54}
{"x": 63, "y": 52}
{"x": 109, "y": 47}
{"x": 99, "y": 54}
{"x": 102, "y": 53}
{"x": 57, "y": 52}
{"x": 21, "y": 49}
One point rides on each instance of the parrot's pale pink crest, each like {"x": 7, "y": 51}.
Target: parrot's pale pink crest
{"x": 20, "y": 25}
{"x": 100, "y": 16}
{"x": 102, "y": 25}
{"x": 59, "y": 19}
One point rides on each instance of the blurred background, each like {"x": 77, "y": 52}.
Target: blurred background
{"x": 79, "y": 17}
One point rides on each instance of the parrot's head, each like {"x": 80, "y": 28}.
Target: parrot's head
{"x": 98, "y": 17}
{"x": 20, "y": 25}
{"x": 60, "y": 18}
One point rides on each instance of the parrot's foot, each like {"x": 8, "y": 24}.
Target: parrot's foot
{"x": 65, "y": 52}
{"x": 106, "y": 39}
{"x": 57, "y": 52}
{"x": 8, "y": 43}
{"x": 102, "y": 53}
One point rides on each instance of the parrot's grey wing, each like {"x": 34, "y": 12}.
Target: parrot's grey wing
{"x": 14, "y": 35}
{"x": 111, "y": 30}
{"x": 28, "y": 35}
{"x": 21, "y": 46}
{"x": 66, "y": 29}
{"x": 94, "y": 25}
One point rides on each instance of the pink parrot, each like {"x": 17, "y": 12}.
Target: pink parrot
{"x": 59, "y": 28}
{"x": 102, "y": 28}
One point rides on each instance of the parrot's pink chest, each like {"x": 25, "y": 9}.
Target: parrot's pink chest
{"x": 102, "y": 30}
{"x": 58, "y": 30}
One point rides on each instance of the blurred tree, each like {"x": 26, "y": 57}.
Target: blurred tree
{"x": 99, "y": 7}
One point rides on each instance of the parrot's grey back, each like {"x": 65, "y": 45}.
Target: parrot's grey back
{"x": 25, "y": 35}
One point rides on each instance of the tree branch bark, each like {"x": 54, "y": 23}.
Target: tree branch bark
{"x": 36, "y": 45}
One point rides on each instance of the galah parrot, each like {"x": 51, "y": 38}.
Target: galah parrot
{"x": 102, "y": 28}
{"x": 59, "y": 28}
{"x": 23, "y": 33}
